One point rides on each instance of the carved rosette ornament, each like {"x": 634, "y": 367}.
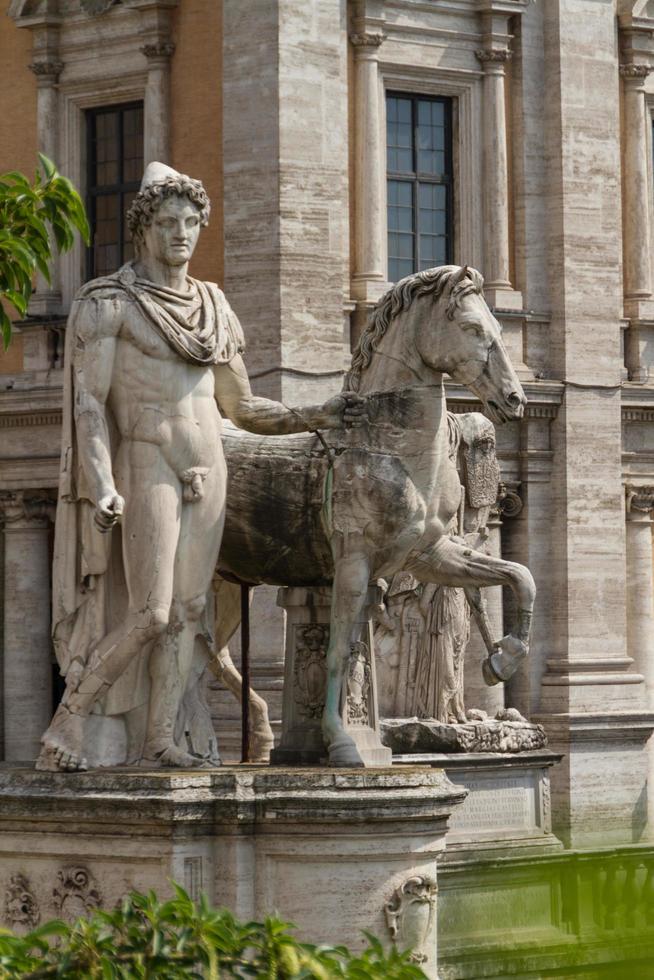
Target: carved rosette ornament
{"x": 77, "y": 893}
{"x": 411, "y": 916}
{"x": 21, "y": 907}
{"x": 358, "y": 685}
{"x": 310, "y": 672}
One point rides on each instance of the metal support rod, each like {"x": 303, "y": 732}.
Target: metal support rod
{"x": 245, "y": 673}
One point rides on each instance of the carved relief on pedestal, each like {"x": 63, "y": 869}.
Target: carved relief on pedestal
{"x": 76, "y": 893}
{"x": 21, "y": 907}
{"x": 358, "y": 685}
{"x": 411, "y": 917}
{"x": 310, "y": 669}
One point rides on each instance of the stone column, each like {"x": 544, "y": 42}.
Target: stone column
{"x": 499, "y": 291}
{"x": 640, "y": 603}
{"x": 369, "y": 272}
{"x": 637, "y": 258}
{"x": 27, "y": 667}
{"x": 640, "y": 584}
{"x": 157, "y": 102}
{"x": 46, "y": 299}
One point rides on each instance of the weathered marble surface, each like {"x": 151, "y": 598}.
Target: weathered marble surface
{"x": 252, "y": 838}
{"x": 368, "y": 503}
{"x": 501, "y": 734}
{"x": 422, "y": 629}
{"x": 150, "y": 352}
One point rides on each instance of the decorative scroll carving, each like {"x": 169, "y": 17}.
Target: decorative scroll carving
{"x": 509, "y": 502}
{"x": 639, "y": 499}
{"x": 160, "y": 49}
{"x": 358, "y": 685}
{"x": 367, "y": 40}
{"x": 21, "y": 906}
{"x": 310, "y": 669}
{"x": 77, "y": 893}
{"x": 411, "y": 916}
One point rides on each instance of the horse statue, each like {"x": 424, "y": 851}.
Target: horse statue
{"x": 354, "y": 505}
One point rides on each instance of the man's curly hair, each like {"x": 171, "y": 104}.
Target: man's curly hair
{"x": 148, "y": 201}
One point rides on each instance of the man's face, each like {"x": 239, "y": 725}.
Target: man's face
{"x": 173, "y": 234}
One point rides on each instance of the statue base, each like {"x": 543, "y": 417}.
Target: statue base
{"x": 419, "y": 735}
{"x": 507, "y": 806}
{"x": 305, "y": 681}
{"x": 334, "y": 851}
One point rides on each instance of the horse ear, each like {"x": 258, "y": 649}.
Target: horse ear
{"x": 459, "y": 276}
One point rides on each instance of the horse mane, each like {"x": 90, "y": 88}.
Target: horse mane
{"x": 398, "y": 299}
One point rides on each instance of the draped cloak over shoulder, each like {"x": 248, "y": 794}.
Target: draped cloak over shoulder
{"x": 89, "y": 589}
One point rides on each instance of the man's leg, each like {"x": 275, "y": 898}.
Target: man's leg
{"x": 149, "y": 536}
{"x": 201, "y": 531}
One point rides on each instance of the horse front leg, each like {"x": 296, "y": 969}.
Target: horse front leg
{"x": 451, "y": 562}
{"x": 349, "y": 590}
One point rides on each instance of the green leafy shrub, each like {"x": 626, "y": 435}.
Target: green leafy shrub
{"x": 27, "y": 211}
{"x": 180, "y": 940}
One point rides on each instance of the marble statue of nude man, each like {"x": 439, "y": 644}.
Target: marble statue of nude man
{"x": 153, "y": 357}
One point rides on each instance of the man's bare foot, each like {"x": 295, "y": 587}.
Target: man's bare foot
{"x": 62, "y": 743}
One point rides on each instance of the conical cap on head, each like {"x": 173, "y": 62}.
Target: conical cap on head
{"x": 156, "y": 172}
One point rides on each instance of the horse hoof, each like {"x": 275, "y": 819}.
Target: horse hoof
{"x": 490, "y": 677}
{"x": 343, "y": 754}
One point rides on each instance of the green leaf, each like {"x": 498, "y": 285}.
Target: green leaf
{"x": 18, "y": 300}
{"x": 48, "y": 166}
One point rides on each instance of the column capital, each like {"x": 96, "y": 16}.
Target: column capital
{"x": 493, "y": 58}
{"x": 47, "y": 72}
{"x": 367, "y": 39}
{"x": 635, "y": 73}
{"x": 21, "y": 510}
{"x": 158, "y": 51}
{"x": 639, "y": 501}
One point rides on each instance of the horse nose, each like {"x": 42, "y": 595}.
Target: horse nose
{"x": 516, "y": 401}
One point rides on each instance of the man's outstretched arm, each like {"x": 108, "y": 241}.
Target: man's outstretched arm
{"x": 267, "y": 417}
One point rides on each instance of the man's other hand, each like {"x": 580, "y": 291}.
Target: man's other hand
{"x": 108, "y": 511}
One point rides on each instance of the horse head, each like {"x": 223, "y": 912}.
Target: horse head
{"x": 433, "y": 322}
{"x": 467, "y": 343}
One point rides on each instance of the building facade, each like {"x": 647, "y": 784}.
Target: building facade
{"x": 345, "y": 144}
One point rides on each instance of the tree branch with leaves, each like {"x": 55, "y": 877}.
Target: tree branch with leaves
{"x": 33, "y": 217}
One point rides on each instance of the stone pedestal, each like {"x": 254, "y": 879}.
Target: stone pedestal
{"x": 508, "y": 801}
{"x": 329, "y": 851}
{"x": 305, "y": 679}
